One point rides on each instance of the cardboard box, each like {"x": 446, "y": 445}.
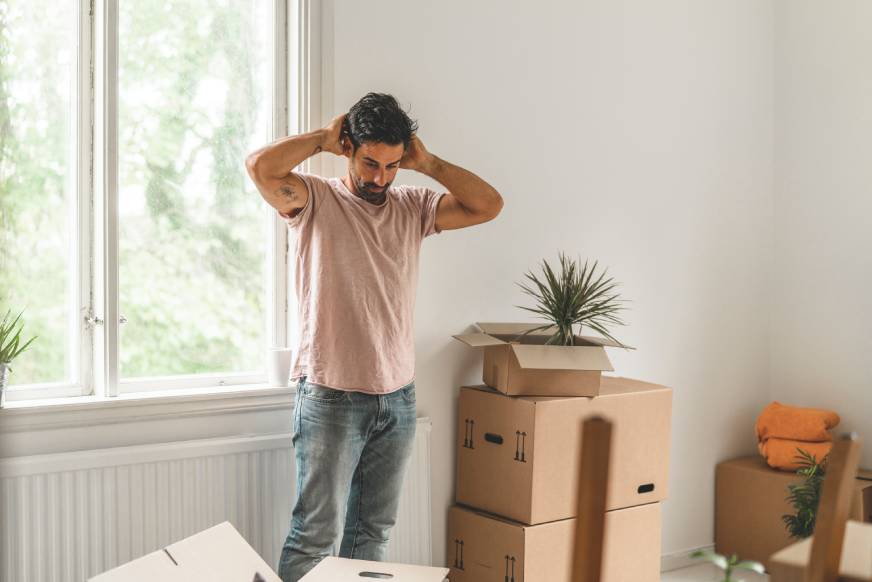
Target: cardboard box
{"x": 861, "y": 505}
{"x": 750, "y": 500}
{"x": 485, "y": 548}
{"x": 788, "y": 565}
{"x": 218, "y": 554}
{"x": 343, "y": 570}
{"x": 529, "y": 367}
{"x": 519, "y": 457}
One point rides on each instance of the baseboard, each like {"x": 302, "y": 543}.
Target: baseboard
{"x": 677, "y": 560}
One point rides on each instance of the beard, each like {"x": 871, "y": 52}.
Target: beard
{"x": 369, "y": 191}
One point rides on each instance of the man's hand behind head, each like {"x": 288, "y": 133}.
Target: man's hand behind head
{"x": 335, "y": 138}
{"x": 416, "y": 156}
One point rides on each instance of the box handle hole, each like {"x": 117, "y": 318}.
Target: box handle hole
{"x": 493, "y": 438}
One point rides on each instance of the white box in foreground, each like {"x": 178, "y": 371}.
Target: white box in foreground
{"x": 218, "y": 554}
{"x": 343, "y": 570}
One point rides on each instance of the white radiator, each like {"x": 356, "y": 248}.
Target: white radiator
{"x": 70, "y": 516}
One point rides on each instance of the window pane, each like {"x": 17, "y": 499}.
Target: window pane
{"x": 194, "y": 98}
{"x": 37, "y": 175}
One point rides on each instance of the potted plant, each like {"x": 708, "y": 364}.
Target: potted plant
{"x": 10, "y": 348}
{"x": 805, "y": 496}
{"x": 573, "y": 298}
{"x": 728, "y": 565}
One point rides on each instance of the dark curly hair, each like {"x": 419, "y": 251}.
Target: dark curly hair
{"x": 378, "y": 117}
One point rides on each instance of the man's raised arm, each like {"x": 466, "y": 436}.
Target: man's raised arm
{"x": 469, "y": 201}
{"x": 271, "y": 167}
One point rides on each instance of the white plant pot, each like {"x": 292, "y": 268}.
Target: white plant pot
{"x": 4, "y": 382}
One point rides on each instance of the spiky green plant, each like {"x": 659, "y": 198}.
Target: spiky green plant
{"x": 806, "y": 495}
{"x": 574, "y": 297}
{"x": 728, "y": 564}
{"x": 10, "y": 338}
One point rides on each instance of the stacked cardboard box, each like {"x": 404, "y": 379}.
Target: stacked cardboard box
{"x": 750, "y": 500}
{"x": 518, "y": 458}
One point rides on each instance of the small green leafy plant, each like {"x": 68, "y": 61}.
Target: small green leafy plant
{"x": 728, "y": 565}
{"x": 573, "y": 297}
{"x": 805, "y": 496}
{"x": 10, "y": 338}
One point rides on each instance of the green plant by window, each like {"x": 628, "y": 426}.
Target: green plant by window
{"x": 805, "y": 496}
{"x": 728, "y": 565}
{"x": 574, "y": 297}
{"x": 10, "y": 338}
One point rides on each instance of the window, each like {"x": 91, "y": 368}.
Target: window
{"x": 38, "y": 174}
{"x": 141, "y": 254}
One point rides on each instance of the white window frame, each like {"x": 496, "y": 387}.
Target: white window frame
{"x": 297, "y": 97}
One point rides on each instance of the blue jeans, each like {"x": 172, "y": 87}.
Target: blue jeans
{"x": 351, "y": 450}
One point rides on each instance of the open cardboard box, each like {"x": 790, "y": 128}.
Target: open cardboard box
{"x": 343, "y": 570}
{"x": 221, "y": 554}
{"x": 518, "y": 457}
{"x": 218, "y": 554}
{"x": 524, "y": 365}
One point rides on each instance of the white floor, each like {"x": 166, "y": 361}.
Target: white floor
{"x": 708, "y": 573}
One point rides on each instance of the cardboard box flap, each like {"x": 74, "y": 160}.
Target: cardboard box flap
{"x": 218, "y": 554}
{"x": 535, "y": 357}
{"x": 605, "y": 342}
{"x": 153, "y": 566}
{"x": 512, "y": 328}
{"x": 221, "y": 554}
{"x": 507, "y": 330}
{"x": 479, "y": 340}
{"x": 332, "y": 569}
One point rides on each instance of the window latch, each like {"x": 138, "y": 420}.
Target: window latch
{"x": 93, "y": 321}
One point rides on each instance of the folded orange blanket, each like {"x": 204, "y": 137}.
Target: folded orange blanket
{"x": 782, "y": 453}
{"x": 792, "y": 422}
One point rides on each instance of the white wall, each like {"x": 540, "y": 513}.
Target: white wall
{"x": 637, "y": 133}
{"x": 822, "y": 321}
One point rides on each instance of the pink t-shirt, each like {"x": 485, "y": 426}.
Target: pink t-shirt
{"x": 356, "y": 277}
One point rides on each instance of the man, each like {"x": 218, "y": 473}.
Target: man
{"x": 358, "y": 240}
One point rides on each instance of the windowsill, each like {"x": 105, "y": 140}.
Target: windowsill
{"x": 90, "y": 410}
